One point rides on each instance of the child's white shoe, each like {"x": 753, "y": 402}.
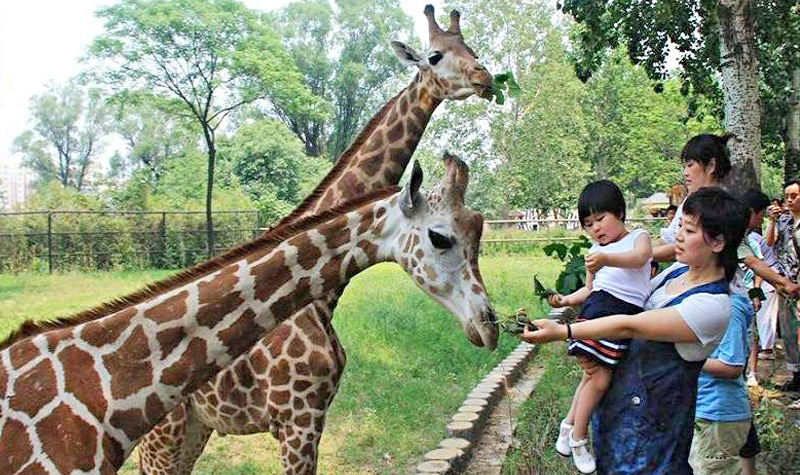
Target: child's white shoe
{"x": 562, "y": 443}
{"x": 581, "y": 457}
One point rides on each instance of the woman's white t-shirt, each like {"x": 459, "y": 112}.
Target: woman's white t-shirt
{"x": 706, "y": 315}
{"x": 630, "y": 285}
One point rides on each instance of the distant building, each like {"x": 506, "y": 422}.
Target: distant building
{"x": 655, "y": 204}
{"x": 15, "y": 186}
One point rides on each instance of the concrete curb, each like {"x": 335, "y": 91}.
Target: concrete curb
{"x": 466, "y": 426}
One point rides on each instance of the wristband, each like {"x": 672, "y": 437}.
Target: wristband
{"x": 569, "y": 332}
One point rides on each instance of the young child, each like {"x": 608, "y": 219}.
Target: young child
{"x": 617, "y": 282}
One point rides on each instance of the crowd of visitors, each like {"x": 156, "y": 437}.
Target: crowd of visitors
{"x": 666, "y": 360}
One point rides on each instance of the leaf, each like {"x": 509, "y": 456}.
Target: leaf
{"x": 540, "y": 291}
{"x": 513, "y": 88}
{"x": 557, "y": 248}
{"x": 499, "y": 98}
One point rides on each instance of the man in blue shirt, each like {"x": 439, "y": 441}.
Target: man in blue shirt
{"x": 722, "y": 418}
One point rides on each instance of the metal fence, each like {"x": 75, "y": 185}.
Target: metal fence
{"x": 507, "y": 231}
{"x": 64, "y": 240}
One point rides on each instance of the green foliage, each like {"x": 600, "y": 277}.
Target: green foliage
{"x": 573, "y": 276}
{"x": 504, "y": 84}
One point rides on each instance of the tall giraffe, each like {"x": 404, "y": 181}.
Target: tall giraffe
{"x": 233, "y": 402}
{"x": 77, "y": 394}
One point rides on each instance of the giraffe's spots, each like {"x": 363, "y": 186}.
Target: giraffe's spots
{"x": 238, "y": 398}
{"x": 352, "y": 268}
{"x": 154, "y": 408}
{"x": 280, "y": 398}
{"x": 131, "y": 421}
{"x": 319, "y": 398}
{"x": 294, "y": 443}
{"x": 3, "y": 381}
{"x": 372, "y": 164}
{"x": 414, "y": 128}
{"x": 15, "y": 447}
{"x": 328, "y": 200}
{"x": 369, "y": 249}
{"x": 448, "y": 288}
{"x": 308, "y": 450}
{"x": 259, "y": 400}
{"x": 301, "y": 368}
{"x": 429, "y": 272}
{"x": 465, "y": 274}
{"x": 226, "y": 384}
{"x": 129, "y": 366}
{"x": 259, "y": 361}
{"x": 35, "y": 388}
{"x": 21, "y": 353}
{"x": 351, "y": 186}
{"x": 112, "y": 451}
{"x": 419, "y": 254}
{"x": 330, "y": 274}
{"x": 288, "y": 305}
{"x": 280, "y": 374}
{"x": 477, "y": 289}
{"x": 335, "y": 232}
{"x": 191, "y": 361}
{"x": 404, "y": 105}
{"x": 54, "y": 337}
{"x": 303, "y": 420}
{"x": 296, "y": 348}
{"x": 277, "y": 339}
{"x": 170, "y": 309}
{"x": 307, "y": 253}
{"x": 396, "y": 132}
{"x": 221, "y": 285}
{"x": 301, "y": 385}
{"x": 242, "y": 335}
{"x": 169, "y": 339}
{"x": 365, "y": 220}
{"x": 375, "y": 142}
{"x": 82, "y": 380}
{"x": 210, "y": 314}
{"x": 419, "y": 114}
{"x": 243, "y": 374}
{"x": 309, "y": 327}
{"x": 319, "y": 364}
{"x": 420, "y": 280}
{"x": 107, "y": 330}
{"x": 63, "y": 434}
{"x": 270, "y": 276}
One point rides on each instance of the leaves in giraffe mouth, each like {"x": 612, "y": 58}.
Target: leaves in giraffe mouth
{"x": 503, "y": 84}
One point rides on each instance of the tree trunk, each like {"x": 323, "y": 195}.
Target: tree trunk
{"x": 792, "y": 163}
{"x": 212, "y": 153}
{"x": 739, "y": 67}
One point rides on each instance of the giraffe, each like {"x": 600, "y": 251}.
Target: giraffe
{"x": 448, "y": 69}
{"x": 77, "y": 394}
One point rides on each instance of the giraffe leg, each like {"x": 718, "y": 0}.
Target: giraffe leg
{"x": 173, "y": 446}
{"x": 299, "y": 447}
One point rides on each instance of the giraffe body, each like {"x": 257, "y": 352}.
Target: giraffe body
{"x": 233, "y": 402}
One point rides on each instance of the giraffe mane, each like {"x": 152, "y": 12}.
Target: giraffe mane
{"x": 270, "y": 238}
{"x": 342, "y": 161}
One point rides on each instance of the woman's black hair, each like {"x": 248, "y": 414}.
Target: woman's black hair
{"x": 704, "y": 147}
{"x": 720, "y": 215}
{"x": 601, "y": 196}
{"x": 755, "y": 200}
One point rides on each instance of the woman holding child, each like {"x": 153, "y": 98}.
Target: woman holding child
{"x": 644, "y": 423}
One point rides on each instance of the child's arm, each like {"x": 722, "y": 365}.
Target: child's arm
{"x": 718, "y": 369}
{"x": 575, "y": 298}
{"x": 640, "y": 255}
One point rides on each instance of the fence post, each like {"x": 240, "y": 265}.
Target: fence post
{"x": 50, "y": 242}
{"x": 163, "y": 240}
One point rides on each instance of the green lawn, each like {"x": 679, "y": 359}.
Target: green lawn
{"x": 409, "y": 366}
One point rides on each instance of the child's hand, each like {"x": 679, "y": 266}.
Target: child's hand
{"x": 545, "y": 330}
{"x": 595, "y": 261}
{"x": 756, "y": 304}
{"x": 556, "y": 300}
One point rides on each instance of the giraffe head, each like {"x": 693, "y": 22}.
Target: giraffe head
{"x": 448, "y": 66}
{"x": 437, "y": 244}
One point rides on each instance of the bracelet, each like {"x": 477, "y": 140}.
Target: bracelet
{"x": 569, "y": 332}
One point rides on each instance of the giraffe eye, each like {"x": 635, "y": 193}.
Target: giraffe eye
{"x": 435, "y": 58}
{"x": 440, "y": 241}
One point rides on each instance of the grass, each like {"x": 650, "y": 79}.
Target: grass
{"x": 409, "y": 365}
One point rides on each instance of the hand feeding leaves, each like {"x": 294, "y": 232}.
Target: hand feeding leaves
{"x": 503, "y": 84}
{"x": 515, "y": 324}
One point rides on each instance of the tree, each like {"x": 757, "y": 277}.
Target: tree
{"x": 345, "y": 58}
{"x": 712, "y": 36}
{"x": 209, "y": 56}
{"x": 65, "y": 140}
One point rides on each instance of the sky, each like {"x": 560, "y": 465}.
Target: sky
{"x": 42, "y": 41}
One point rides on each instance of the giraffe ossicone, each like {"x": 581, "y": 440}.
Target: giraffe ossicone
{"x": 78, "y": 396}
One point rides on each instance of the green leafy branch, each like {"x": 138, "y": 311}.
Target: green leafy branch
{"x": 573, "y": 276}
{"x": 503, "y": 84}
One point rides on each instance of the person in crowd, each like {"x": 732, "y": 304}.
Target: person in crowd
{"x": 782, "y": 232}
{"x": 644, "y": 424}
{"x": 617, "y": 282}
{"x": 671, "y": 210}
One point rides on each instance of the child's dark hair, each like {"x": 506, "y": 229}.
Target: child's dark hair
{"x": 672, "y": 208}
{"x": 755, "y": 200}
{"x": 600, "y": 196}
{"x": 704, "y": 147}
{"x": 720, "y": 215}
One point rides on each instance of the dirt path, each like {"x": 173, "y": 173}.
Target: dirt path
{"x": 498, "y": 434}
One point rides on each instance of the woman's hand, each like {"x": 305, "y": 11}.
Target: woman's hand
{"x": 556, "y": 300}
{"x": 774, "y": 211}
{"x": 595, "y": 262}
{"x": 546, "y": 331}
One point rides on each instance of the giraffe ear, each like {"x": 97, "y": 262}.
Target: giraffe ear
{"x": 406, "y": 54}
{"x": 411, "y": 198}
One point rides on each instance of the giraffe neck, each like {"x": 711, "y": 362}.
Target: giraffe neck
{"x": 158, "y": 352}
{"x": 379, "y": 155}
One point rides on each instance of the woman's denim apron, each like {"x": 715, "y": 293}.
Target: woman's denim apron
{"x": 644, "y": 423}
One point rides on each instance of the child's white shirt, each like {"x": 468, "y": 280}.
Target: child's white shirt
{"x": 630, "y": 285}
